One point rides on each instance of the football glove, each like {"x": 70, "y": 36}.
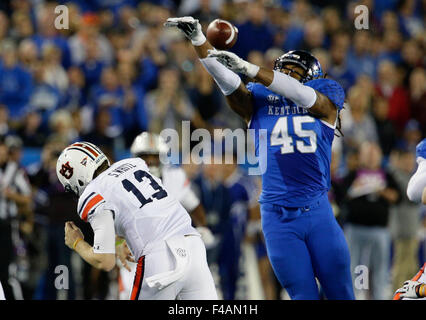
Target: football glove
{"x": 409, "y": 290}
{"x": 234, "y": 62}
{"x": 190, "y": 27}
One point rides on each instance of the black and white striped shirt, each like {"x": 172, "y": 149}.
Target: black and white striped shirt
{"x": 13, "y": 177}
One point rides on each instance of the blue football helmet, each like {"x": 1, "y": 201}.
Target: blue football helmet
{"x": 304, "y": 60}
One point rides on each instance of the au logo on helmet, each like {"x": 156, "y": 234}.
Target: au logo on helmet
{"x": 66, "y": 170}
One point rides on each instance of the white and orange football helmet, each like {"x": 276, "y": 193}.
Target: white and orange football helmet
{"x": 76, "y": 165}
{"x": 148, "y": 143}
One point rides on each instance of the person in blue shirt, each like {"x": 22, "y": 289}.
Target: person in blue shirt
{"x": 299, "y": 110}
{"x": 255, "y": 33}
{"x": 233, "y": 235}
{"x": 16, "y": 83}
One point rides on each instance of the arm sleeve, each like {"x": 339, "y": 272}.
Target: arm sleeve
{"x": 417, "y": 183}
{"x": 227, "y": 80}
{"x": 102, "y": 223}
{"x": 331, "y": 89}
{"x": 286, "y": 86}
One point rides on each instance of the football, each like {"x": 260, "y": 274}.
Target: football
{"x": 222, "y": 34}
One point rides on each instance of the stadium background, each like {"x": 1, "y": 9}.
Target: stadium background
{"x": 117, "y": 72}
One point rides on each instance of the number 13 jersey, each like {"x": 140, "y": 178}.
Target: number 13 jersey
{"x": 294, "y": 147}
{"x": 144, "y": 212}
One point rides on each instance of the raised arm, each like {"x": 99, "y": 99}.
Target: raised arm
{"x": 236, "y": 93}
{"x": 306, "y": 97}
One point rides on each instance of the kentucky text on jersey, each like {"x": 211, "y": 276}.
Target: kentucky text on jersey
{"x": 298, "y": 145}
{"x": 285, "y": 110}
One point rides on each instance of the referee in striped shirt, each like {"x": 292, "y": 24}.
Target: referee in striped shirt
{"x": 15, "y": 194}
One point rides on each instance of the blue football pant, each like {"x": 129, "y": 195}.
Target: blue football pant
{"x": 304, "y": 243}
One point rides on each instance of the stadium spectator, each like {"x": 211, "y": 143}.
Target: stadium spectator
{"x": 30, "y": 130}
{"x": 358, "y": 124}
{"x": 204, "y": 94}
{"x": 418, "y": 96}
{"x": 391, "y": 87}
{"x": 404, "y": 221}
{"x": 254, "y": 33}
{"x": 4, "y": 121}
{"x": 15, "y": 82}
{"x": 168, "y": 105}
{"x": 45, "y": 98}
{"x": 15, "y": 196}
{"x": 385, "y": 128}
{"x": 359, "y": 57}
{"x": 89, "y": 33}
{"x": 233, "y": 231}
{"x": 75, "y": 97}
{"x": 339, "y": 69}
{"x": 54, "y": 73}
{"x": 369, "y": 193}
{"x": 48, "y": 34}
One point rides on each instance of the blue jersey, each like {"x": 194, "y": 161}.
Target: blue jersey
{"x": 421, "y": 149}
{"x": 298, "y": 154}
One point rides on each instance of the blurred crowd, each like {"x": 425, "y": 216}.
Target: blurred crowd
{"x": 116, "y": 71}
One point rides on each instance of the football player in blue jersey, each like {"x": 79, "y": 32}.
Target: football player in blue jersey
{"x": 299, "y": 109}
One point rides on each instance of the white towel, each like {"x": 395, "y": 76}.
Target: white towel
{"x": 178, "y": 247}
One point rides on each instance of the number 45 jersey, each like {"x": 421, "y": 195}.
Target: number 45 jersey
{"x": 144, "y": 212}
{"x": 296, "y": 148}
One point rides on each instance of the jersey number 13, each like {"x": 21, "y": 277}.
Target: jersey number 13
{"x": 139, "y": 176}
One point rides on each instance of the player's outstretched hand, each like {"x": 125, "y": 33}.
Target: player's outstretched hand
{"x": 190, "y": 27}
{"x": 123, "y": 253}
{"x": 408, "y": 290}
{"x": 234, "y": 62}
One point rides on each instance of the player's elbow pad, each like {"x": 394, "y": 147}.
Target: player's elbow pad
{"x": 288, "y": 87}
{"x": 227, "y": 80}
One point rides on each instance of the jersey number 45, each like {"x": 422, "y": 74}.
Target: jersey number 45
{"x": 280, "y": 135}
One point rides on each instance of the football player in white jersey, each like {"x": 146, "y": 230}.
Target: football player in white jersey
{"x": 416, "y": 191}
{"x": 149, "y": 147}
{"x": 126, "y": 200}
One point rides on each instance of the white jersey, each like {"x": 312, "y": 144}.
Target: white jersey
{"x": 175, "y": 180}
{"x": 144, "y": 211}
